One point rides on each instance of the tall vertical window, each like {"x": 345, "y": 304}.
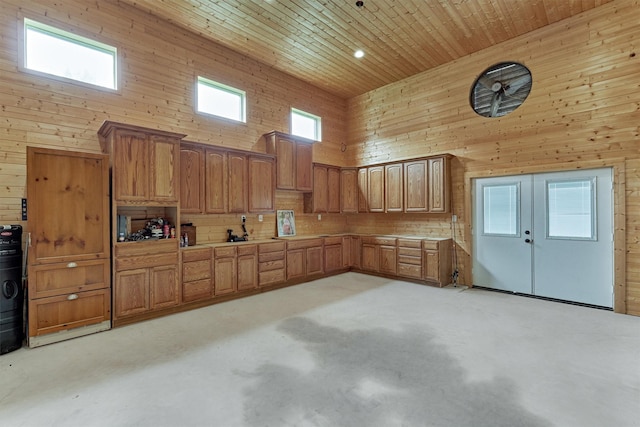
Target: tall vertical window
{"x": 501, "y": 210}
{"x": 306, "y": 125}
{"x": 60, "y": 53}
{"x": 221, "y": 100}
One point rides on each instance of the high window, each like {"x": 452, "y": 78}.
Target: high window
{"x": 306, "y": 125}
{"x": 60, "y": 53}
{"x": 221, "y": 100}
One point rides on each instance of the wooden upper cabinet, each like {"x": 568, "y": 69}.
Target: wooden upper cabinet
{"x": 262, "y": 180}
{"x": 333, "y": 190}
{"x": 415, "y": 186}
{"x": 294, "y": 161}
{"x": 238, "y": 164}
{"x": 349, "y": 190}
{"x": 393, "y": 187}
{"x": 216, "y": 181}
{"x": 439, "y": 185}
{"x": 363, "y": 190}
{"x": 145, "y": 163}
{"x": 191, "y": 179}
{"x": 375, "y": 182}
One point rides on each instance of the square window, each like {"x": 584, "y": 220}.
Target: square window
{"x": 221, "y": 100}
{"x": 571, "y": 209}
{"x": 501, "y": 210}
{"x": 60, "y": 53}
{"x": 306, "y": 125}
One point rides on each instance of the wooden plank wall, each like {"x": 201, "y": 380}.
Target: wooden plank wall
{"x": 583, "y": 111}
{"x": 159, "y": 64}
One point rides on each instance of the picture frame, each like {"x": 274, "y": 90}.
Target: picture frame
{"x": 285, "y": 220}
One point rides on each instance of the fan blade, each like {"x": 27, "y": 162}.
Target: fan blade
{"x": 516, "y": 84}
{"x": 495, "y": 103}
{"x": 486, "y": 82}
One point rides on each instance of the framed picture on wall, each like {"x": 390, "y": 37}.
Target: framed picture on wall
{"x": 286, "y": 223}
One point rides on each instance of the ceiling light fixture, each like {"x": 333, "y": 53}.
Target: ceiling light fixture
{"x": 359, "y": 3}
{"x": 358, "y": 53}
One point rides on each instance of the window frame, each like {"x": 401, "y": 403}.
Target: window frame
{"x": 318, "y": 124}
{"x": 593, "y": 206}
{"x": 73, "y": 35}
{"x": 223, "y": 88}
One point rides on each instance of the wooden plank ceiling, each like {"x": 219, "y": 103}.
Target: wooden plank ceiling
{"x": 314, "y": 40}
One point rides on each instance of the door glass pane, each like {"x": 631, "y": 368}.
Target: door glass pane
{"x": 501, "y": 210}
{"x": 571, "y": 209}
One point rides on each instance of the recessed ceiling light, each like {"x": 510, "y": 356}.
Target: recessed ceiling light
{"x": 358, "y": 53}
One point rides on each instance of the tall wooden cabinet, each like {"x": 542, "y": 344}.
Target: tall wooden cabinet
{"x": 294, "y": 161}
{"x": 349, "y": 190}
{"x": 69, "y": 256}
{"x": 326, "y": 190}
{"x": 145, "y": 178}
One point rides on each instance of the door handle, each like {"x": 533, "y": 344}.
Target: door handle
{"x": 528, "y": 240}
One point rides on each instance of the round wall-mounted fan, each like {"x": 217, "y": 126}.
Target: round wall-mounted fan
{"x": 500, "y": 89}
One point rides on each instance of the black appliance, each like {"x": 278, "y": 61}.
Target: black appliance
{"x": 11, "y": 289}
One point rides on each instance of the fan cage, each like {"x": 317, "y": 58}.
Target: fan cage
{"x": 482, "y": 96}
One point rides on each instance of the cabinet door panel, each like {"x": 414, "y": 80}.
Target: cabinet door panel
{"x": 432, "y": 265}
{"x": 314, "y": 261}
{"x": 261, "y": 184}
{"x": 370, "y": 257}
{"x": 131, "y": 167}
{"x": 191, "y": 179}
{"x": 438, "y": 185}
{"x": 349, "y": 190}
{"x": 247, "y": 272}
{"x": 295, "y": 263}
{"x": 68, "y": 205}
{"x": 363, "y": 190}
{"x": 393, "y": 184}
{"x": 216, "y": 186}
{"x": 164, "y": 286}
{"x": 196, "y": 290}
{"x": 131, "y": 292}
{"x": 49, "y": 280}
{"x": 376, "y": 189}
{"x": 320, "y": 191}
{"x": 332, "y": 258}
{"x": 286, "y": 174}
{"x": 388, "y": 259}
{"x": 415, "y": 186}
{"x": 225, "y": 276}
{"x": 333, "y": 190}
{"x": 238, "y": 182}
{"x": 165, "y": 169}
{"x": 304, "y": 167}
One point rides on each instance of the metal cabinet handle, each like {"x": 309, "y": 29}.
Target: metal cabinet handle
{"x": 72, "y": 265}
{"x": 72, "y": 297}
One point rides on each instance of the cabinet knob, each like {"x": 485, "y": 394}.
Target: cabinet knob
{"x": 72, "y": 265}
{"x": 72, "y": 297}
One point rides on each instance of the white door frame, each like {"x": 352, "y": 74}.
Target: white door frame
{"x": 619, "y": 213}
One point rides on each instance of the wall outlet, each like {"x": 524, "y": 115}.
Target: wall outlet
{"x": 319, "y": 217}
{"x": 244, "y": 218}
{"x": 260, "y": 218}
{"x": 454, "y": 218}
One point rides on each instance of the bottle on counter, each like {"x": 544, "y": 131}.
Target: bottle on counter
{"x": 186, "y": 239}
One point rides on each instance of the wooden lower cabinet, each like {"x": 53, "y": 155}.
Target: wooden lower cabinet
{"x": 304, "y": 258}
{"x": 410, "y": 258}
{"x": 379, "y": 254}
{"x": 146, "y": 278}
{"x": 235, "y": 268}
{"x": 271, "y": 263}
{"x": 437, "y": 261}
{"x": 197, "y": 283}
{"x": 333, "y": 259}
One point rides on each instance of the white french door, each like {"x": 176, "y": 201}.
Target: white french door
{"x": 546, "y": 234}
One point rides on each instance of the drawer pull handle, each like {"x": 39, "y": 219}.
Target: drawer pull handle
{"x": 72, "y": 265}
{"x": 72, "y": 297}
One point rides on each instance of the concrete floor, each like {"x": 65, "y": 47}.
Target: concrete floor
{"x": 350, "y": 350}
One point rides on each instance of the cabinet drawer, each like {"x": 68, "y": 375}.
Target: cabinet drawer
{"x": 271, "y": 265}
{"x": 271, "y": 247}
{"x": 376, "y": 240}
{"x": 334, "y": 240}
{"x": 62, "y": 312}
{"x": 65, "y": 278}
{"x": 196, "y": 270}
{"x": 271, "y": 256}
{"x": 247, "y": 250}
{"x": 271, "y": 277}
{"x": 409, "y": 252}
{"x": 407, "y": 270}
{"x": 196, "y": 290}
{"x": 409, "y": 243}
{"x": 430, "y": 244}
{"x": 154, "y": 247}
{"x": 196, "y": 254}
{"x": 301, "y": 244}
{"x": 146, "y": 261}
{"x": 224, "y": 251}
{"x": 404, "y": 259}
